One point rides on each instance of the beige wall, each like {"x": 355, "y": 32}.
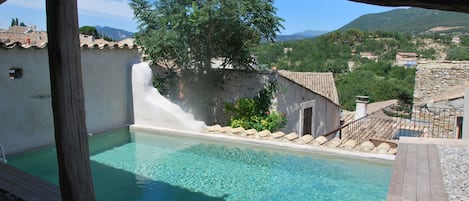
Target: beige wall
{"x": 290, "y": 97}
{"x": 25, "y": 104}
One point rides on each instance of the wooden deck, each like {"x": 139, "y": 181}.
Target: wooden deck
{"x": 417, "y": 174}
{"x": 26, "y": 186}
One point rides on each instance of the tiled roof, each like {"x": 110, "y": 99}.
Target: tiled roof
{"x": 410, "y": 54}
{"x": 372, "y": 108}
{"x": 376, "y": 106}
{"x": 17, "y": 29}
{"x": 92, "y": 45}
{"x": 320, "y": 83}
{"x": 17, "y": 36}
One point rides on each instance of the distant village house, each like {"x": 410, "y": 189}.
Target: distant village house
{"x": 369, "y": 55}
{"x": 406, "y": 59}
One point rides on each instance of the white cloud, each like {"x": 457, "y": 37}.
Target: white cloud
{"x": 103, "y": 8}
{"x": 28, "y": 3}
{"x": 111, "y": 8}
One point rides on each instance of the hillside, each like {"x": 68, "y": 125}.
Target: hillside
{"x": 300, "y": 35}
{"x": 343, "y": 54}
{"x": 412, "y": 21}
{"x": 115, "y": 34}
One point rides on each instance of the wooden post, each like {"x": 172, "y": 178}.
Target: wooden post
{"x": 68, "y": 100}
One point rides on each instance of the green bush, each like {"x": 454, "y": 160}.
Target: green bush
{"x": 254, "y": 112}
{"x": 272, "y": 122}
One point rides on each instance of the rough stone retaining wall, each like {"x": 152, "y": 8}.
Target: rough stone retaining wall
{"x": 434, "y": 78}
{"x": 204, "y": 95}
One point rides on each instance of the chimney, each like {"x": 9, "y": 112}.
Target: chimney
{"x": 360, "y": 110}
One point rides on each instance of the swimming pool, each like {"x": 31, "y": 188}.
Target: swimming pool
{"x": 145, "y": 166}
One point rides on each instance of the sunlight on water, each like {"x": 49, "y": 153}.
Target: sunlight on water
{"x": 157, "y": 167}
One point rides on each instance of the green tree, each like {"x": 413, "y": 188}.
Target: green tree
{"x": 192, "y": 33}
{"x": 16, "y": 22}
{"x": 458, "y": 54}
{"x": 91, "y": 31}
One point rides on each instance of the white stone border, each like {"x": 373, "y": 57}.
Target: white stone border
{"x": 267, "y": 143}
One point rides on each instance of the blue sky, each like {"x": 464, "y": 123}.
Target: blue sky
{"x": 299, "y": 15}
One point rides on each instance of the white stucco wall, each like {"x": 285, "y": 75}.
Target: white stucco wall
{"x": 290, "y": 96}
{"x": 25, "y": 104}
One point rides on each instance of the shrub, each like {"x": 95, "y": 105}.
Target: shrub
{"x": 254, "y": 112}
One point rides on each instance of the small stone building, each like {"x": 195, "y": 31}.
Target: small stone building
{"x": 310, "y": 102}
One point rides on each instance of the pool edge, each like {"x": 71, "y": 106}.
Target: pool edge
{"x": 267, "y": 143}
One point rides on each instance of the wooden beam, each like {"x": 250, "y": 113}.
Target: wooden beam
{"x": 26, "y": 186}
{"x": 68, "y": 100}
{"x": 448, "y": 5}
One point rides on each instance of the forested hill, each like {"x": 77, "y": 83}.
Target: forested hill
{"x": 335, "y": 52}
{"x": 411, "y": 20}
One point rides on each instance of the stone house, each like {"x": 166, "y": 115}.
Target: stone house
{"x": 456, "y": 40}
{"x": 406, "y": 59}
{"x": 310, "y": 102}
{"x": 24, "y": 35}
{"x": 27, "y": 121}
{"x": 369, "y": 55}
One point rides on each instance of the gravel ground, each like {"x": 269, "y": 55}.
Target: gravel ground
{"x": 455, "y": 168}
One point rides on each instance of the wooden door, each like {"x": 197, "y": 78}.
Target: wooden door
{"x": 307, "y": 120}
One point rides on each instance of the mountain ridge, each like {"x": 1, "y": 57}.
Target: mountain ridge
{"x": 114, "y": 33}
{"x": 298, "y": 36}
{"x": 412, "y": 21}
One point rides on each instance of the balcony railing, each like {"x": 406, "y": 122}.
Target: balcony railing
{"x": 398, "y": 120}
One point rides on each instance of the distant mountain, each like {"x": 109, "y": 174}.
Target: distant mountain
{"x": 412, "y": 20}
{"x": 297, "y": 36}
{"x": 115, "y": 34}
{"x": 300, "y": 35}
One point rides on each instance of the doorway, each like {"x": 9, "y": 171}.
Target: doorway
{"x": 307, "y": 120}
{"x": 306, "y": 125}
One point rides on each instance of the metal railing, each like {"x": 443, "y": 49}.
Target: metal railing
{"x": 398, "y": 120}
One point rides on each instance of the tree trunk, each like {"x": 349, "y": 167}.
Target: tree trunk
{"x": 68, "y": 100}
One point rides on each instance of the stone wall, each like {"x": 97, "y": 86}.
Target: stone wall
{"x": 435, "y": 78}
{"x": 204, "y": 94}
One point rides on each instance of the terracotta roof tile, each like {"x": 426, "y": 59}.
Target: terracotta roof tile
{"x": 320, "y": 83}
{"x": 376, "y": 106}
{"x": 17, "y": 29}
{"x": 16, "y": 37}
{"x": 107, "y": 45}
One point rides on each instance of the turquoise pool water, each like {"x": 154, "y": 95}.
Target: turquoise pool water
{"x": 141, "y": 166}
